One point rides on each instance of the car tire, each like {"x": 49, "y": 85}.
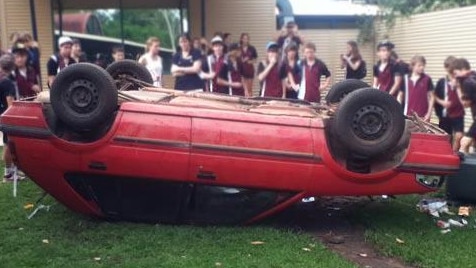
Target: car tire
{"x": 339, "y": 90}
{"x": 131, "y": 68}
{"x": 369, "y": 122}
{"x": 83, "y": 96}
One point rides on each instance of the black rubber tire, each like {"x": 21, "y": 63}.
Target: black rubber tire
{"x": 83, "y": 96}
{"x": 339, "y": 90}
{"x": 369, "y": 122}
{"x": 129, "y": 67}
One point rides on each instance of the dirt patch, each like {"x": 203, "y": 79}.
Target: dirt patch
{"x": 328, "y": 220}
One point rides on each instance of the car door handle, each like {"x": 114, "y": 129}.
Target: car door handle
{"x": 97, "y": 166}
{"x": 206, "y": 175}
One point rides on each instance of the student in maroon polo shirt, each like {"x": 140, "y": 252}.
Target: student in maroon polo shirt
{"x": 448, "y": 105}
{"x": 248, "y": 57}
{"x": 312, "y": 69}
{"x": 387, "y": 74}
{"x": 419, "y": 97}
{"x": 269, "y": 75}
{"x": 466, "y": 83}
{"x": 212, "y": 66}
{"x": 25, "y": 75}
{"x": 292, "y": 67}
{"x": 231, "y": 74}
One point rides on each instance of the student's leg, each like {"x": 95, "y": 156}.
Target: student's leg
{"x": 457, "y": 127}
{"x": 7, "y": 159}
{"x": 248, "y": 85}
{"x": 467, "y": 140}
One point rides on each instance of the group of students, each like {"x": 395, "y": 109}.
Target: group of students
{"x": 414, "y": 89}
{"x": 228, "y": 68}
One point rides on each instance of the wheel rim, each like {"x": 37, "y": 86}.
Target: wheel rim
{"x": 370, "y": 122}
{"x": 82, "y": 96}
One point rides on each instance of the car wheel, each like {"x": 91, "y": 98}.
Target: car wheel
{"x": 369, "y": 122}
{"x": 130, "y": 68}
{"x": 339, "y": 90}
{"x": 83, "y": 96}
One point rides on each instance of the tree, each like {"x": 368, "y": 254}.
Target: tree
{"x": 140, "y": 24}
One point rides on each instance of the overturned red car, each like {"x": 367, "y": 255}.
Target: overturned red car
{"x": 158, "y": 155}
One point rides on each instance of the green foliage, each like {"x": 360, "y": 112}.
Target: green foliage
{"x": 62, "y": 238}
{"x": 140, "y": 24}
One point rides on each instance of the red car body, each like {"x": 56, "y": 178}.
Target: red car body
{"x": 181, "y": 163}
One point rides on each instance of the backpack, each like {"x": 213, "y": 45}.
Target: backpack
{"x": 361, "y": 72}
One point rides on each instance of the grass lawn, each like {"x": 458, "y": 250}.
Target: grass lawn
{"x": 77, "y": 241}
{"x": 423, "y": 245}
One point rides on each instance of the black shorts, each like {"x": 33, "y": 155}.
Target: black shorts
{"x": 472, "y": 131}
{"x": 451, "y": 125}
{"x": 5, "y": 138}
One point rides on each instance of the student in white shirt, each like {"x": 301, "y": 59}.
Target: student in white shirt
{"x": 152, "y": 60}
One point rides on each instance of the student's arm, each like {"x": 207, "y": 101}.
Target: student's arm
{"x": 52, "y": 70}
{"x": 264, "y": 73}
{"x": 431, "y": 100}
{"x": 10, "y": 100}
{"x": 194, "y": 69}
{"x": 353, "y": 65}
{"x": 396, "y": 85}
{"x": 254, "y": 55}
{"x": 325, "y": 71}
{"x": 440, "y": 87}
{"x": 222, "y": 78}
{"x": 375, "y": 82}
{"x": 142, "y": 60}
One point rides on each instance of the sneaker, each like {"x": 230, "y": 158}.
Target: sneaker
{"x": 9, "y": 175}
{"x": 21, "y": 175}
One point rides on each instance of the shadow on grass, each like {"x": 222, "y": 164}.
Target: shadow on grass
{"x": 60, "y": 238}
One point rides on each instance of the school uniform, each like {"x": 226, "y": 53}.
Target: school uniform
{"x": 187, "y": 81}
{"x": 214, "y": 64}
{"x": 386, "y": 77}
{"x": 248, "y": 68}
{"x": 7, "y": 89}
{"x": 416, "y": 95}
{"x": 351, "y": 73}
{"x": 295, "y": 71}
{"x": 451, "y": 119}
{"x": 309, "y": 89}
{"x": 232, "y": 73}
{"x": 272, "y": 85}
{"x": 56, "y": 63}
{"x": 25, "y": 80}
{"x": 468, "y": 85}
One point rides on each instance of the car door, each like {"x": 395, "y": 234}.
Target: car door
{"x": 252, "y": 151}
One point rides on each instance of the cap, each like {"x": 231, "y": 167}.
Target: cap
{"x": 7, "y": 63}
{"x": 385, "y": 43}
{"x": 233, "y": 46}
{"x": 19, "y": 47}
{"x": 64, "y": 40}
{"x": 290, "y": 24}
{"x": 217, "y": 39}
{"x": 271, "y": 45}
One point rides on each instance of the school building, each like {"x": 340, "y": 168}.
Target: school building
{"x": 261, "y": 19}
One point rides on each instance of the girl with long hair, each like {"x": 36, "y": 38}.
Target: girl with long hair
{"x": 248, "y": 58}
{"x": 352, "y": 61}
{"x": 152, "y": 60}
